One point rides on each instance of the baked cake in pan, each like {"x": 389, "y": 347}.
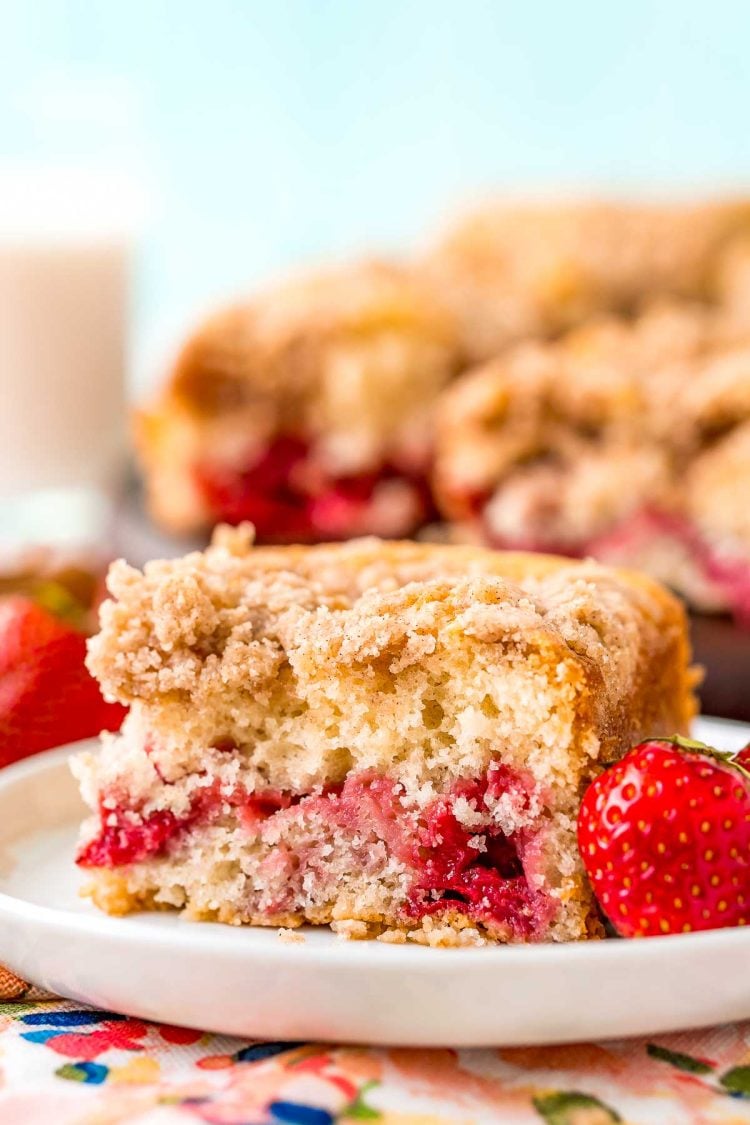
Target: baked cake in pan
{"x": 517, "y": 270}
{"x": 392, "y": 739}
{"x": 628, "y": 441}
{"x": 307, "y": 410}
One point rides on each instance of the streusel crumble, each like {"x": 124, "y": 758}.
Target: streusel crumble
{"x": 517, "y": 270}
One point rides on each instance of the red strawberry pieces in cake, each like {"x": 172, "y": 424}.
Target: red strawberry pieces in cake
{"x": 290, "y": 498}
{"x": 665, "y": 839}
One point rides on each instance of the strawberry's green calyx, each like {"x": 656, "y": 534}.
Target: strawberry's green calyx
{"x": 725, "y": 757}
{"x": 60, "y": 603}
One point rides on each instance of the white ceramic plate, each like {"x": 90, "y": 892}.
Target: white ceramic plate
{"x": 249, "y": 982}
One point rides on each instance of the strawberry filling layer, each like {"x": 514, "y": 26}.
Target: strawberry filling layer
{"x": 126, "y": 837}
{"x": 478, "y": 871}
{"x": 290, "y": 498}
{"x": 456, "y": 855}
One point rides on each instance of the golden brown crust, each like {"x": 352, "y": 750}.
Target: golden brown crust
{"x": 110, "y": 892}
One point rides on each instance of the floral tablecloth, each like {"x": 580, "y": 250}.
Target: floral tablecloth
{"x": 64, "y": 1064}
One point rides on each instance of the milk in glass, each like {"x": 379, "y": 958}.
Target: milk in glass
{"x": 64, "y": 264}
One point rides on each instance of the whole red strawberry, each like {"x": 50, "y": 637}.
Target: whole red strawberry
{"x": 47, "y": 696}
{"x": 665, "y": 839}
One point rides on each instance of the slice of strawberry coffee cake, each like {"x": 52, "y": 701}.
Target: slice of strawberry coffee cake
{"x": 392, "y": 739}
{"x": 307, "y": 410}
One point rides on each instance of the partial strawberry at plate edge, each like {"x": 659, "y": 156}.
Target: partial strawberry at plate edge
{"x": 664, "y": 835}
{"x": 47, "y": 697}
{"x": 742, "y": 757}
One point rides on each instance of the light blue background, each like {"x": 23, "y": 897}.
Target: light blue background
{"x": 272, "y": 133}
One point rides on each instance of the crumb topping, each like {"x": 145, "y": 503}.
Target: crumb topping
{"x": 408, "y": 657}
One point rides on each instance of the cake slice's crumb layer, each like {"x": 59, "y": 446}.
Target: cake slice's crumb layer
{"x": 483, "y": 851}
{"x": 420, "y": 660}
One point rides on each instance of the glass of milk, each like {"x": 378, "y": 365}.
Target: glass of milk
{"x": 65, "y": 250}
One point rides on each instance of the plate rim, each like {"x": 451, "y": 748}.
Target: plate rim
{"x": 395, "y": 957}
